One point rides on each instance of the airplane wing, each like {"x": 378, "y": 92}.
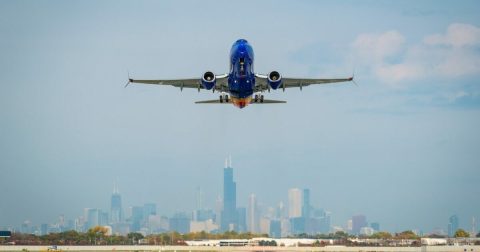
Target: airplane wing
{"x": 220, "y": 85}
{"x": 261, "y": 82}
{"x": 217, "y": 101}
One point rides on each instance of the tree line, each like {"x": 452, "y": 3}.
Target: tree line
{"x": 98, "y": 236}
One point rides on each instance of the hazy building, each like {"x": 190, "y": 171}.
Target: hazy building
{"x": 218, "y": 210}
{"x": 264, "y": 225}
{"x": 207, "y": 226}
{"x": 297, "y": 225}
{"x": 318, "y": 220}
{"x": 43, "y": 229}
{"x": 358, "y": 221}
{"x": 375, "y": 226}
{"x": 137, "y": 218}
{"x": 149, "y": 209}
{"x": 275, "y": 229}
{"x": 349, "y": 226}
{"x": 252, "y": 214}
{"x": 95, "y": 217}
{"x": 241, "y": 225}
{"x": 229, "y": 213}
{"x": 116, "y": 213}
{"x": 281, "y": 212}
{"x": 204, "y": 214}
{"x": 453, "y": 224}
{"x": 199, "y": 198}
{"x": 294, "y": 203}
{"x": 180, "y": 223}
{"x": 306, "y": 207}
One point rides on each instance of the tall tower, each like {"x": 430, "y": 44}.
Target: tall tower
{"x": 453, "y": 225}
{"x": 229, "y": 213}
{"x": 306, "y": 204}
{"x": 116, "y": 206}
{"x": 294, "y": 203}
{"x": 252, "y": 214}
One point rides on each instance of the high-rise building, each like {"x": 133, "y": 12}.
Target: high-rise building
{"x": 252, "y": 214}
{"x": 149, "y": 209}
{"x": 116, "y": 213}
{"x": 92, "y": 217}
{"x": 229, "y": 213}
{"x": 180, "y": 223}
{"x": 306, "y": 207}
{"x": 375, "y": 226}
{"x": 199, "y": 198}
{"x": 43, "y": 229}
{"x": 137, "y": 218}
{"x": 275, "y": 229}
{"x": 294, "y": 203}
{"x": 358, "y": 221}
{"x": 241, "y": 225}
{"x": 453, "y": 224}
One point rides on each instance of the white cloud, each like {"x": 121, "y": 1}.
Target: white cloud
{"x": 457, "y": 35}
{"x": 449, "y": 55}
{"x": 379, "y": 46}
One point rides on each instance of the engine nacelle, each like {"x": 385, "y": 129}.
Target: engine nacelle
{"x": 208, "y": 80}
{"x": 274, "y": 79}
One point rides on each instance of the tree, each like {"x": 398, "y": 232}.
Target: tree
{"x": 381, "y": 235}
{"x": 406, "y": 235}
{"x": 478, "y": 235}
{"x": 340, "y": 235}
{"x": 134, "y": 237}
{"x": 96, "y": 233}
{"x": 460, "y": 233}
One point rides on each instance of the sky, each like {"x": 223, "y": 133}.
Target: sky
{"x": 402, "y": 147}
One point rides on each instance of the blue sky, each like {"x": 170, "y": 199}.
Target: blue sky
{"x": 401, "y": 148}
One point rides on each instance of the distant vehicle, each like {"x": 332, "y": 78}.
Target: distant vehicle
{"x": 241, "y": 86}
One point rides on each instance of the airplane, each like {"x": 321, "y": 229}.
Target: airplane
{"x": 241, "y": 86}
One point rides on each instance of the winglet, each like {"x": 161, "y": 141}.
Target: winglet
{"x": 352, "y": 79}
{"x": 129, "y": 79}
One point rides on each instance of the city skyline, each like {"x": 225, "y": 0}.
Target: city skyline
{"x": 202, "y": 218}
{"x": 400, "y": 148}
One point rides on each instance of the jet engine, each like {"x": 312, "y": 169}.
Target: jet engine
{"x": 274, "y": 79}
{"x": 208, "y": 80}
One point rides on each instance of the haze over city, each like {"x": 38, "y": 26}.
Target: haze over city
{"x": 401, "y": 147}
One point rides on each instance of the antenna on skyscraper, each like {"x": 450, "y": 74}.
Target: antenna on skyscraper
{"x": 230, "y": 159}
{"x": 226, "y": 162}
{"x": 115, "y": 186}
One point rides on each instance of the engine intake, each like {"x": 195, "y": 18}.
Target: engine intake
{"x": 274, "y": 79}
{"x": 208, "y": 80}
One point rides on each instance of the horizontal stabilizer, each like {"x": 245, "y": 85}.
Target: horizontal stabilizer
{"x": 217, "y": 101}
{"x": 267, "y": 101}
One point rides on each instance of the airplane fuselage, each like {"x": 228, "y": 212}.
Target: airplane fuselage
{"x": 241, "y": 78}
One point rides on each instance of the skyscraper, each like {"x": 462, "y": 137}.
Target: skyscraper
{"x": 306, "y": 204}
{"x": 453, "y": 224}
{"x": 252, "y": 214}
{"x": 294, "y": 203}
{"x": 229, "y": 213}
{"x": 116, "y": 214}
{"x": 358, "y": 221}
{"x": 137, "y": 218}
